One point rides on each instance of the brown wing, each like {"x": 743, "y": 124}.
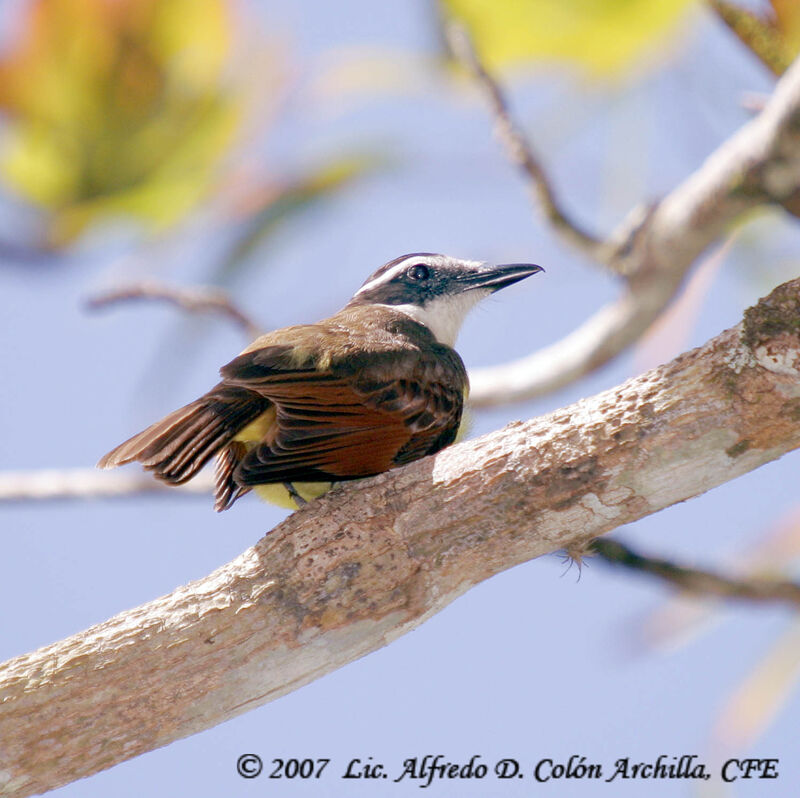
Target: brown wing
{"x": 179, "y": 445}
{"x": 226, "y": 489}
{"x": 359, "y": 417}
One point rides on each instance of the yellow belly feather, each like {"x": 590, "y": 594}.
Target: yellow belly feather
{"x": 276, "y": 492}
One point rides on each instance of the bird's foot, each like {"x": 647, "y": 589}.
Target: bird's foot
{"x": 298, "y": 499}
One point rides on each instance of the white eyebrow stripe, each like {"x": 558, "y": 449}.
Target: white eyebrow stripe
{"x": 387, "y": 276}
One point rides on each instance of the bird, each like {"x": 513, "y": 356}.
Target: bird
{"x": 374, "y": 386}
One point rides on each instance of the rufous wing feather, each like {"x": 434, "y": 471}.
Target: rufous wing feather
{"x": 332, "y": 429}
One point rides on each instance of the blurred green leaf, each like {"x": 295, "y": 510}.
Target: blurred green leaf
{"x": 117, "y": 107}
{"x": 773, "y": 37}
{"x": 602, "y": 36}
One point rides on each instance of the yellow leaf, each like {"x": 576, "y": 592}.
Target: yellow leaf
{"x": 602, "y": 36}
{"x": 38, "y": 166}
{"x": 117, "y": 107}
{"x": 787, "y": 17}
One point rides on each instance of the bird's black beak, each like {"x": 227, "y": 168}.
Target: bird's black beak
{"x": 497, "y": 277}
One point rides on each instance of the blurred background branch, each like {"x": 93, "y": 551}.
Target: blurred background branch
{"x": 200, "y": 300}
{"x": 50, "y": 484}
{"x": 655, "y": 247}
{"x": 697, "y": 582}
{"x": 518, "y": 148}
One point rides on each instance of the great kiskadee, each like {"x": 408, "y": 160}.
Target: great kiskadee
{"x": 374, "y": 386}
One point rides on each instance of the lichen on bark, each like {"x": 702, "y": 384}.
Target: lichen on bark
{"x": 774, "y": 314}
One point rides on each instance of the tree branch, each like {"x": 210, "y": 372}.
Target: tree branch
{"x": 654, "y": 247}
{"x": 694, "y": 580}
{"x": 193, "y": 300}
{"x": 88, "y": 483}
{"x": 352, "y": 571}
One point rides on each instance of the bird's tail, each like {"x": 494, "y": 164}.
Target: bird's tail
{"x": 179, "y": 445}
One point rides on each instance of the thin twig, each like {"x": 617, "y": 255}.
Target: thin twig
{"x": 193, "y": 300}
{"x": 519, "y": 148}
{"x": 697, "y": 581}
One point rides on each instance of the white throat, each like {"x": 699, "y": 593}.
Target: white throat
{"x": 445, "y": 315}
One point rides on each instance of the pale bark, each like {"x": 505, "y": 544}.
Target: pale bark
{"x": 370, "y": 561}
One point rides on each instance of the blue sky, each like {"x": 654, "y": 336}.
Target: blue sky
{"x": 532, "y": 663}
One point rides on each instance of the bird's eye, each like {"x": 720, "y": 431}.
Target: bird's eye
{"x": 419, "y": 272}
